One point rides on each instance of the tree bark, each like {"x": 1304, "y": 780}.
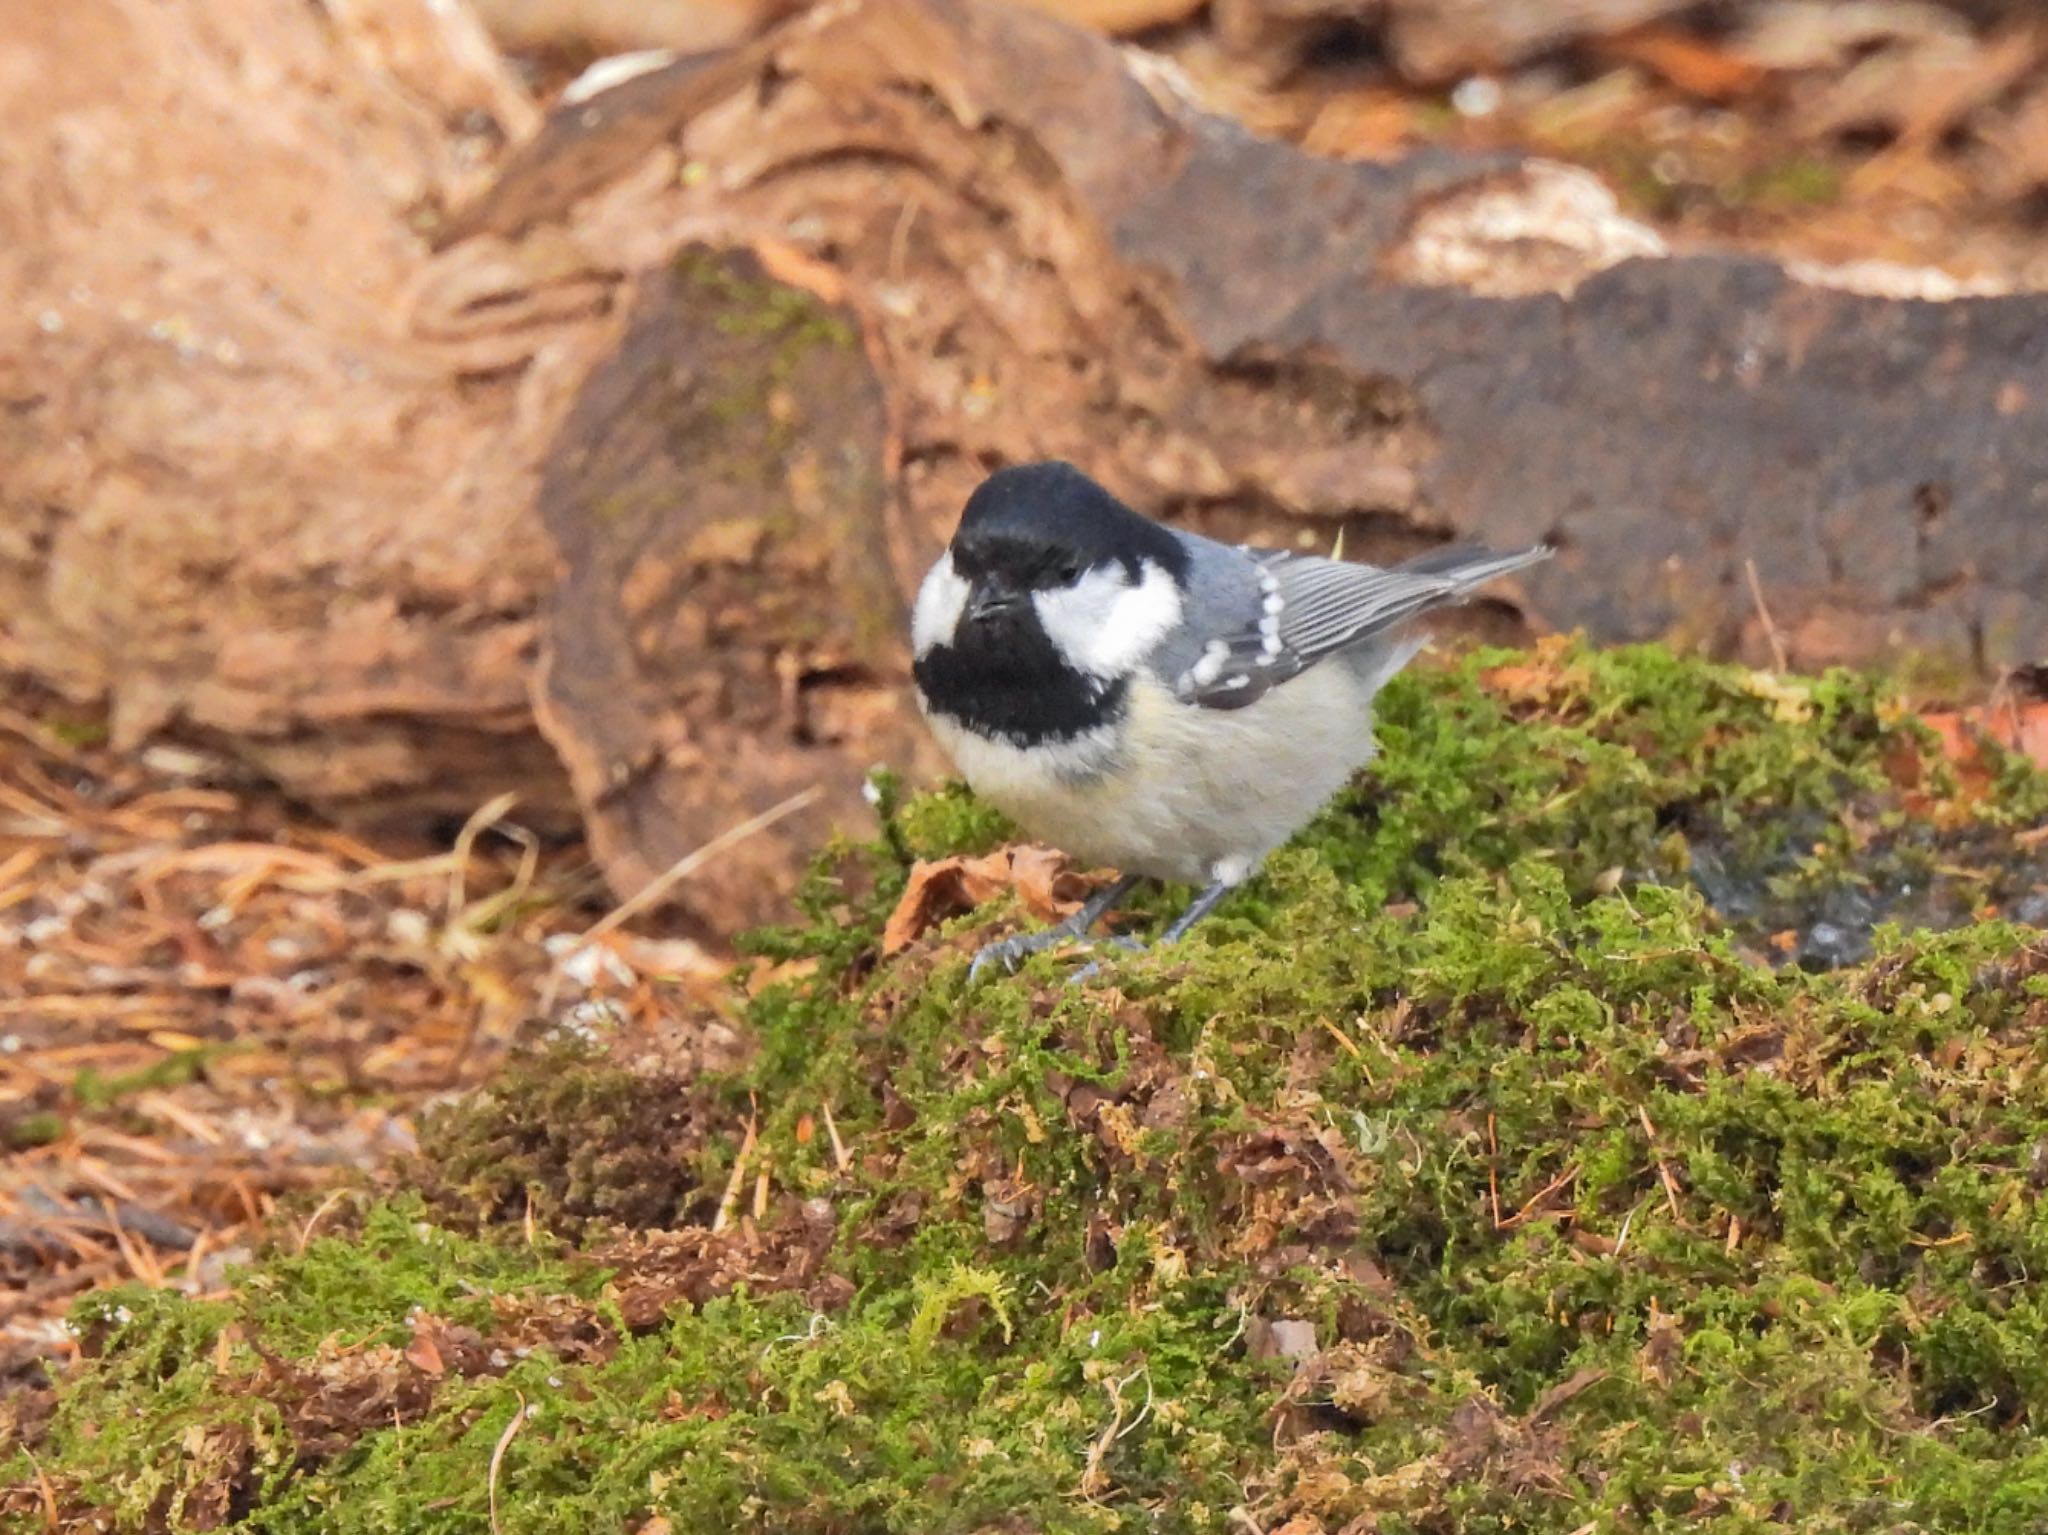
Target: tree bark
{"x": 611, "y": 485}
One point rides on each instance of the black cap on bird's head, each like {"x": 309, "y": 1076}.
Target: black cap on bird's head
{"x": 1034, "y": 526}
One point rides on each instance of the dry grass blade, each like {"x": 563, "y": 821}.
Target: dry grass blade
{"x": 45, "y": 1491}
{"x": 318, "y": 1215}
{"x": 498, "y": 1458}
{"x": 841, "y": 1158}
{"x": 729, "y": 1201}
{"x": 484, "y": 914}
{"x": 655, "y": 890}
{"x": 15, "y": 865}
{"x": 1779, "y": 663}
{"x": 1095, "y": 1480}
{"x": 1663, "y": 1167}
{"x": 1531, "y": 1207}
{"x": 486, "y": 816}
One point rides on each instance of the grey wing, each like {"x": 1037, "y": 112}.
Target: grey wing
{"x": 1290, "y": 611}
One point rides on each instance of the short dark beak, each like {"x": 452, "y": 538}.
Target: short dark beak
{"x": 992, "y": 601}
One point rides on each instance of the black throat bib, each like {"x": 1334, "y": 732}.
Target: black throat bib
{"x": 1008, "y": 682}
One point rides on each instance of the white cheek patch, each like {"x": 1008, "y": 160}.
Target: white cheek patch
{"x": 1106, "y": 626}
{"x": 936, "y": 616}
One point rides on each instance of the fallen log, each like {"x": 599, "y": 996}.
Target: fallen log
{"x": 646, "y": 443}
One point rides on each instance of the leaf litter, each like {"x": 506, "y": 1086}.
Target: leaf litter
{"x": 211, "y": 1002}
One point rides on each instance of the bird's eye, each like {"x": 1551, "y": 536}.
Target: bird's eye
{"x": 1069, "y": 573}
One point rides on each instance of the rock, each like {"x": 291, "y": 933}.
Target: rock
{"x": 1287, "y": 1338}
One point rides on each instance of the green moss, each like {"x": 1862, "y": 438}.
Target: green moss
{"x": 568, "y": 1141}
{"x": 96, "y": 1091}
{"x": 86, "y": 732}
{"x": 1593, "y": 1214}
{"x": 793, "y": 321}
{"x": 37, "y": 1128}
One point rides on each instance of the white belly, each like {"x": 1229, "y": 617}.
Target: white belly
{"x": 1177, "y": 791}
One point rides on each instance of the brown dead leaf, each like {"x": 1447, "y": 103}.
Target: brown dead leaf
{"x": 1663, "y": 1349}
{"x": 1693, "y": 64}
{"x": 2017, "y": 725}
{"x": 1902, "y": 764}
{"x": 1573, "y": 1385}
{"x": 424, "y": 1355}
{"x": 946, "y": 887}
{"x": 1519, "y": 680}
{"x": 1118, "y": 18}
{"x": 1537, "y": 680}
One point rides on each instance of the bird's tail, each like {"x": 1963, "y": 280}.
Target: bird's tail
{"x": 1466, "y": 567}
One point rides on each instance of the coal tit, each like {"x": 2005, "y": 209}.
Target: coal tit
{"x": 1149, "y": 699}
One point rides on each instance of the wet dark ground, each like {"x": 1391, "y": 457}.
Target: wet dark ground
{"x": 1822, "y": 910}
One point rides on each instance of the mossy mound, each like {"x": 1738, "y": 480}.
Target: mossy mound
{"x": 1468, "y": 1173}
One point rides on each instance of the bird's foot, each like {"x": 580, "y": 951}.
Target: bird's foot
{"x": 1093, "y": 968}
{"x": 1014, "y": 950}
{"x": 1009, "y": 952}
{"x": 1199, "y": 908}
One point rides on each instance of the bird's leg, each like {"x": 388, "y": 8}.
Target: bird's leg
{"x": 1008, "y": 951}
{"x": 1198, "y": 908}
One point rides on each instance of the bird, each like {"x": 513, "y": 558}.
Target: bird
{"x": 1150, "y": 700}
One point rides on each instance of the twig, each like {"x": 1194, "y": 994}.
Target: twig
{"x": 1763, "y": 613}
{"x": 656, "y": 889}
{"x": 730, "y": 1200}
{"x": 70, "y": 1281}
{"x": 1663, "y": 1167}
{"x": 18, "y": 864}
{"x": 1528, "y": 1209}
{"x": 652, "y": 893}
{"x": 163, "y": 1106}
{"x": 1337, "y": 1034}
{"x": 134, "y": 1252}
{"x": 498, "y": 1457}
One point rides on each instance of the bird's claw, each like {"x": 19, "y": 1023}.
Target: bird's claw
{"x": 1010, "y": 952}
{"x": 1093, "y": 968}
{"x": 1007, "y": 952}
